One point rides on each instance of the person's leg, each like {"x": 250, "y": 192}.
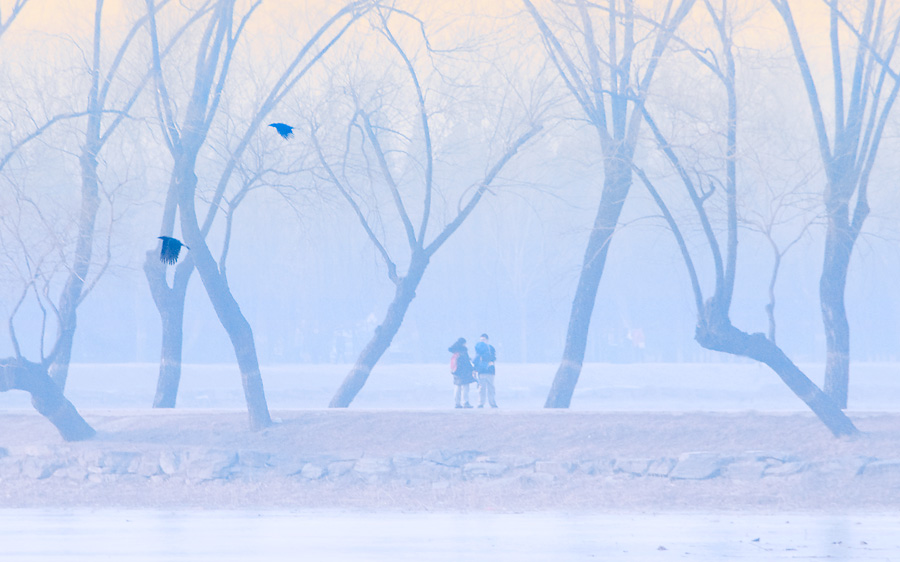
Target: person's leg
{"x": 465, "y": 395}
{"x": 457, "y": 394}
{"x": 491, "y": 391}
{"x": 482, "y": 390}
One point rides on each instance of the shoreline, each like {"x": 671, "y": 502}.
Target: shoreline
{"x": 492, "y": 461}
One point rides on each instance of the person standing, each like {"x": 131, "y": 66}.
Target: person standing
{"x": 461, "y": 369}
{"x": 485, "y": 355}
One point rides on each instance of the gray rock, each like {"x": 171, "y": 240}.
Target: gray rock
{"x": 373, "y": 466}
{"x": 428, "y": 471}
{"x": 595, "y": 467}
{"x": 745, "y": 470}
{"x": 458, "y": 458}
{"x": 118, "y": 462}
{"x": 312, "y": 471}
{"x": 661, "y": 467}
{"x": 634, "y": 467}
{"x": 537, "y": 479}
{"x": 484, "y": 468}
{"x": 40, "y": 468}
{"x": 212, "y": 465}
{"x": 785, "y": 469}
{"x": 254, "y": 459}
{"x": 340, "y": 468}
{"x": 555, "y": 468}
{"x": 74, "y": 472}
{"x": 169, "y": 462}
{"x": 403, "y": 461}
{"x": 882, "y": 468}
{"x": 148, "y": 465}
{"x": 698, "y": 466}
{"x": 843, "y": 466}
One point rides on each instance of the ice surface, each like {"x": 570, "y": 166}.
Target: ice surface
{"x": 616, "y": 387}
{"x": 82, "y": 536}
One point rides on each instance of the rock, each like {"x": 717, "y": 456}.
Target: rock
{"x": 552, "y": 467}
{"x": 536, "y": 479}
{"x": 457, "y": 458}
{"x": 520, "y": 461}
{"x": 785, "y": 469}
{"x": 595, "y": 467}
{"x": 169, "y": 462}
{"x": 118, "y": 462}
{"x": 843, "y": 466}
{"x": 148, "y": 465}
{"x": 427, "y": 471}
{"x": 882, "y": 468}
{"x": 253, "y": 459}
{"x": 373, "y": 466}
{"x": 40, "y": 468}
{"x": 745, "y": 470}
{"x": 484, "y": 468}
{"x": 698, "y": 466}
{"x": 634, "y": 467}
{"x": 403, "y": 461}
{"x": 312, "y": 471}
{"x": 660, "y": 467}
{"x": 74, "y": 472}
{"x": 340, "y": 468}
{"x": 212, "y": 465}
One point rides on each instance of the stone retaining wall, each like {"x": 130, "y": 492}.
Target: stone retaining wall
{"x": 437, "y": 468}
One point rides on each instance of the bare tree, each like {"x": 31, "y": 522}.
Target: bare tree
{"x": 610, "y": 84}
{"x": 848, "y": 150}
{"x": 378, "y": 131}
{"x": 184, "y": 140}
{"x": 714, "y": 329}
{"x": 170, "y": 300}
{"x": 100, "y": 122}
{"x": 14, "y": 11}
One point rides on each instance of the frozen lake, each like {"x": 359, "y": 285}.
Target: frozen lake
{"x": 222, "y": 536}
{"x": 737, "y": 386}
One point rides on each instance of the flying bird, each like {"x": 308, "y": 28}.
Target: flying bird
{"x": 286, "y": 131}
{"x": 171, "y": 247}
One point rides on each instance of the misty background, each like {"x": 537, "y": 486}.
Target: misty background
{"x": 312, "y": 286}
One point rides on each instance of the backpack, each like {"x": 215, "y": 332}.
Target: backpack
{"x": 491, "y": 354}
{"x": 454, "y": 363}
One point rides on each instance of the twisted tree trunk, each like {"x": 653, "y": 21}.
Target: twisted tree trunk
{"x": 384, "y": 333}
{"x": 46, "y": 396}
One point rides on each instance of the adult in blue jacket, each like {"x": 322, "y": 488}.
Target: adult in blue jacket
{"x": 485, "y": 355}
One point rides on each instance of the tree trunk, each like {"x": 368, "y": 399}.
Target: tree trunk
{"x": 384, "y": 334}
{"x": 715, "y": 332}
{"x": 84, "y": 245}
{"x": 226, "y": 307}
{"x": 615, "y": 190}
{"x": 46, "y": 396}
{"x": 832, "y": 285}
{"x": 170, "y": 305}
